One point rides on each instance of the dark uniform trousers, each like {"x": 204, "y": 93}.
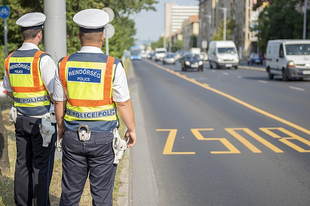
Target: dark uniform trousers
{"x": 34, "y": 163}
{"x": 80, "y": 159}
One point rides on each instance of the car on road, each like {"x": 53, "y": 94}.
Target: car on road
{"x": 170, "y": 58}
{"x": 192, "y": 61}
{"x": 289, "y": 58}
{"x": 223, "y": 54}
{"x": 160, "y": 53}
{"x": 254, "y": 58}
{"x": 150, "y": 55}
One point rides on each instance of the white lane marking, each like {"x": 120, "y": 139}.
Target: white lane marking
{"x": 225, "y": 73}
{"x": 297, "y": 88}
{"x": 262, "y": 81}
{"x": 213, "y": 71}
{"x": 240, "y": 77}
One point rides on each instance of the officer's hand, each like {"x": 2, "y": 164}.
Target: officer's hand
{"x": 60, "y": 132}
{"x": 132, "y": 138}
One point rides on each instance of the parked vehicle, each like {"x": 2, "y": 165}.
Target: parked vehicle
{"x": 254, "y": 58}
{"x": 289, "y": 58}
{"x": 160, "y": 54}
{"x": 170, "y": 58}
{"x": 191, "y": 61}
{"x": 223, "y": 54}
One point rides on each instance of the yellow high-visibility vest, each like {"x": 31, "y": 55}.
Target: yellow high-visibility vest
{"x": 87, "y": 82}
{"x": 23, "y": 70}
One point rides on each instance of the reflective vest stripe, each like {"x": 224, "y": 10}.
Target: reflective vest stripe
{"x": 6, "y": 65}
{"x": 107, "y": 97}
{"x": 108, "y": 79}
{"x": 62, "y": 74}
{"x": 35, "y": 73}
{"x": 35, "y": 69}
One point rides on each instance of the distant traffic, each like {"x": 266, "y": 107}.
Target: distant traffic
{"x": 289, "y": 59}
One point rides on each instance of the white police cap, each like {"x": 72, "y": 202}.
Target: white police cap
{"x": 34, "y": 20}
{"x": 91, "y": 20}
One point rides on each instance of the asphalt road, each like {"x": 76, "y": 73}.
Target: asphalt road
{"x": 219, "y": 137}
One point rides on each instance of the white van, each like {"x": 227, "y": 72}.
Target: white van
{"x": 289, "y": 58}
{"x": 160, "y": 53}
{"x": 223, "y": 54}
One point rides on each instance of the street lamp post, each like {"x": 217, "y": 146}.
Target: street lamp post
{"x": 224, "y": 32}
{"x": 209, "y": 32}
{"x": 305, "y": 19}
{"x": 200, "y": 26}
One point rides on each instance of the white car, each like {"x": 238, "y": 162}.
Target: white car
{"x": 160, "y": 53}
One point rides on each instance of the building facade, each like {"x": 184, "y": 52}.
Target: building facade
{"x": 211, "y": 12}
{"x": 190, "y": 32}
{"x": 175, "y": 15}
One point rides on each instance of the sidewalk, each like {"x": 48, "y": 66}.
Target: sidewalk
{"x": 138, "y": 187}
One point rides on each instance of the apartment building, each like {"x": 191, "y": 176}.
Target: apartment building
{"x": 175, "y": 15}
{"x": 211, "y": 12}
{"x": 190, "y": 32}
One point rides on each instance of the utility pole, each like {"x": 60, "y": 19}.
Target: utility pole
{"x": 224, "y": 32}
{"x": 305, "y": 19}
{"x": 55, "y": 34}
{"x": 209, "y": 27}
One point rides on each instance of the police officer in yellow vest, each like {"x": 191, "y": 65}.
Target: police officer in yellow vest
{"x": 92, "y": 89}
{"x": 29, "y": 81}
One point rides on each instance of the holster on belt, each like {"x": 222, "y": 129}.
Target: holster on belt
{"x": 119, "y": 146}
{"x": 47, "y": 129}
{"x": 84, "y": 133}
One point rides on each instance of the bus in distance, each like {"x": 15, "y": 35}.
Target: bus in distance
{"x": 135, "y": 53}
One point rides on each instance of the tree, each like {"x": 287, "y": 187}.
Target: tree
{"x": 158, "y": 44}
{"x": 279, "y": 19}
{"x": 193, "y": 41}
{"x": 177, "y": 45}
{"x": 123, "y": 38}
{"x": 230, "y": 26}
{"x": 124, "y": 26}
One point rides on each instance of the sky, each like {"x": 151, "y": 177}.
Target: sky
{"x": 150, "y": 24}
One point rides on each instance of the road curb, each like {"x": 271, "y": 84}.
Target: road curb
{"x": 125, "y": 177}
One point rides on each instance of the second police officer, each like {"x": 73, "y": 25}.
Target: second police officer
{"x": 90, "y": 91}
{"x": 29, "y": 81}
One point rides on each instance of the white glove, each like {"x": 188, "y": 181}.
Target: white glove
{"x": 13, "y": 115}
{"x": 46, "y": 129}
{"x": 119, "y": 146}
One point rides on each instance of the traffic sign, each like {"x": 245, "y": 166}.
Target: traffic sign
{"x": 4, "y": 12}
{"x": 110, "y": 13}
{"x": 204, "y": 44}
{"x": 110, "y": 30}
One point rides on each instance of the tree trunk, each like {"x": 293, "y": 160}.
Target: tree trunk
{"x": 4, "y": 155}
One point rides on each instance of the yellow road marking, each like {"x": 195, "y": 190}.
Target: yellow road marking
{"x": 285, "y": 140}
{"x": 231, "y": 148}
{"x": 206, "y": 86}
{"x": 251, "y": 147}
{"x": 170, "y": 141}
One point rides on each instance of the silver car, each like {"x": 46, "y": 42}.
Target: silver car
{"x": 170, "y": 58}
